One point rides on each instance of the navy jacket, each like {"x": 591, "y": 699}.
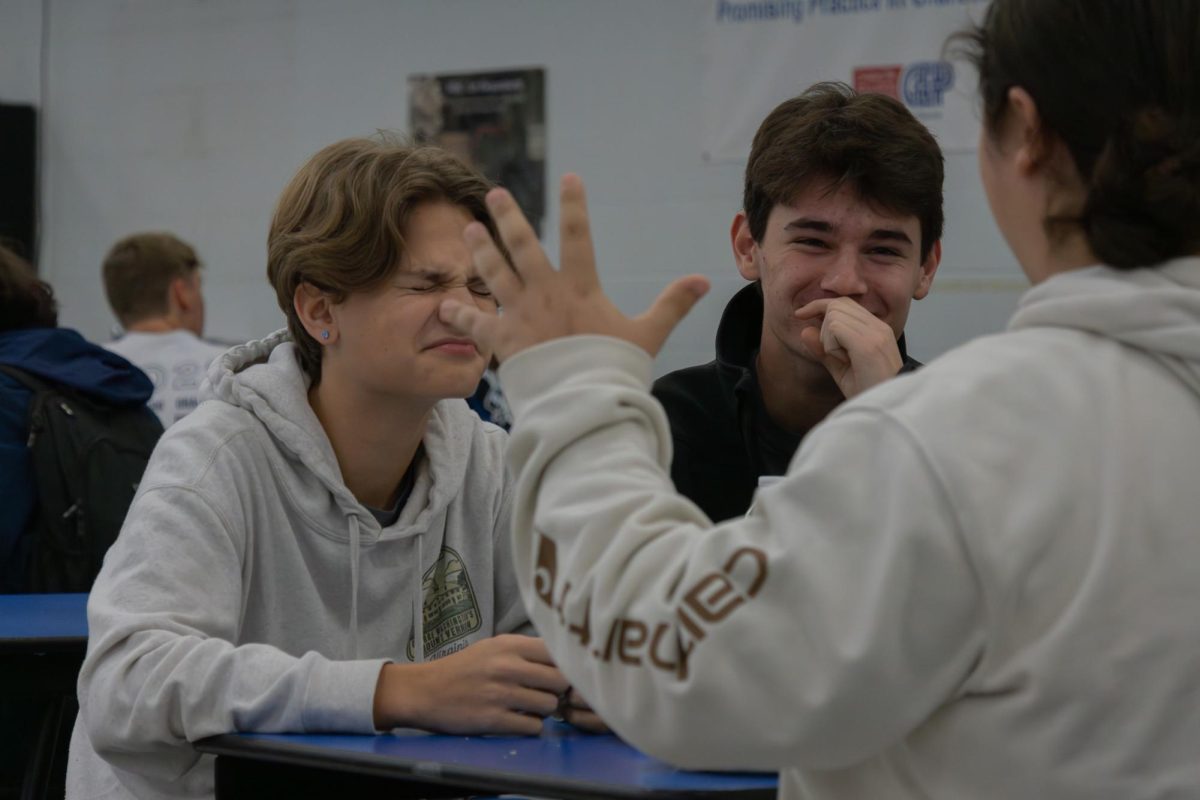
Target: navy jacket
{"x": 62, "y": 356}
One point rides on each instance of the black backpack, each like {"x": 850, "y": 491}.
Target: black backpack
{"x": 87, "y": 458}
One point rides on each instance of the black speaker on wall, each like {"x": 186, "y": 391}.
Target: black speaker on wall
{"x": 18, "y": 179}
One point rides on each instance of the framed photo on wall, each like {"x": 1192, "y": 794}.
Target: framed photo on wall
{"x": 495, "y": 121}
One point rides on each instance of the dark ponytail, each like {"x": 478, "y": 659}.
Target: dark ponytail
{"x": 1143, "y": 201}
{"x": 1118, "y": 82}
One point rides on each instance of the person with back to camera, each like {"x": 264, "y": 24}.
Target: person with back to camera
{"x": 152, "y": 281}
{"x": 32, "y": 342}
{"x": 975, "y": 582}
{"x": 842, "y": 220}
{"x": 323, "y": 546}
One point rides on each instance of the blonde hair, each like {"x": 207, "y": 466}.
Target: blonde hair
{"x": 339, "y": 224}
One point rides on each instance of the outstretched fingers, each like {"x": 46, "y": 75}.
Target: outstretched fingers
{"x": 529, "y": 260}
{"x": 491, "y": 264}
{"x": 671, "y": 306}
{"x": 578, "y": 256}
{"x": 468, "y": 320}
{"x": 541, "y": 303}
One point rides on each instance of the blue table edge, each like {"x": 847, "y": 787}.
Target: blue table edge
{"x": 296, "y": 753}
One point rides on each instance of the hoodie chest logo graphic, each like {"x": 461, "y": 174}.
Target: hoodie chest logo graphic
{"x": 450, "y": 610}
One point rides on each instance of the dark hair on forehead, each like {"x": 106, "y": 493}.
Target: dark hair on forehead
{"x": 835, "y": 136}
{"x": 25, "y": 300}
{"x": 1118, "y": 83}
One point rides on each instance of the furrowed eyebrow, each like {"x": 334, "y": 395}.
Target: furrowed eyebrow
{"x": 438, "y": 277}
{"x": 430, "y": 274}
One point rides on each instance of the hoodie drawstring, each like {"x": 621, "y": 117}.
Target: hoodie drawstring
{"x": 419, "y": 605}
{"x": 418, "y": 602}
{"x": 354, "y": 547}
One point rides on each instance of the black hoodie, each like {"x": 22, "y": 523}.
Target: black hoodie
{"x": 723, "y": 437}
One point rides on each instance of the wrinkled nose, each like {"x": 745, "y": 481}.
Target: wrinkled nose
{"x": 463, "y": 294}
{"x": 458, "y": 291}
{"x": 844, "y": 278}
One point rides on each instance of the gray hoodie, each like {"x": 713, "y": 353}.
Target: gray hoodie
{"x": 250, "y": 591}
{"x": 975, "y": 581}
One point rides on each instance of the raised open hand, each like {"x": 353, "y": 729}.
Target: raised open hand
{"x": 541, "y": 303}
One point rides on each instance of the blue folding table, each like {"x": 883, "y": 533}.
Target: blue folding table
{"x": 43, "y": 639}
{"x": 43, "y": 623}
{"x": 561, "y": 763}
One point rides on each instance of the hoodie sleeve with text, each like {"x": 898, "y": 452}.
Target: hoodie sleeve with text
{"x": 806, "y": 634}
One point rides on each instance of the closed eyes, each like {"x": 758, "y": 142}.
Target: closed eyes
{"x": 477, "y": 288}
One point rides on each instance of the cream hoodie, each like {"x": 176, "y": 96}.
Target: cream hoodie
{"x": 981, "y": 580}
{"x": 250, "y": 591}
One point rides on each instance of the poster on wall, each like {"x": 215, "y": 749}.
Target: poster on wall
{"x": 758, "y": 53}
{"x": 495, "y": 121}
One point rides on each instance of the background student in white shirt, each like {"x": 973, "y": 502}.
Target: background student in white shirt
{"x": 152, "y": 281}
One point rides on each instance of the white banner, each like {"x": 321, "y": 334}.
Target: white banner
{"x": 761, "y": 52}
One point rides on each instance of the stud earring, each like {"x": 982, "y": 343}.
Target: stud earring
{"x": 325, "y": 335}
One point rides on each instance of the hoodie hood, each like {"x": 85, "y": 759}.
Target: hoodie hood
{"x": 1155, "y": 310}
{"x": 264, "y": 378}
{"x": 64, "y": 357}
{"x": 740, "y": 330}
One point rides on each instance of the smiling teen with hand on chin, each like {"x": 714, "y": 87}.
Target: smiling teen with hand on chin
{"x": 840, "y": 231}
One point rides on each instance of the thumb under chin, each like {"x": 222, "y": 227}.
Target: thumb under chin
{"x": 810, "y": 340}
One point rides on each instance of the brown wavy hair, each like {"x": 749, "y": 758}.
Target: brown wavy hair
{"x": 340, "y": 222}
{"x": 831, "y": 133}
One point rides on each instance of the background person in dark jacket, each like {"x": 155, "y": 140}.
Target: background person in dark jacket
{"x": 30, "y": 341}
{"x": 840, "y": 231}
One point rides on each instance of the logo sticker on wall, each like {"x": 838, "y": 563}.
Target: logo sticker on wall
{"x": 926, "y": 83}
{"x": 921, "y": 85}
